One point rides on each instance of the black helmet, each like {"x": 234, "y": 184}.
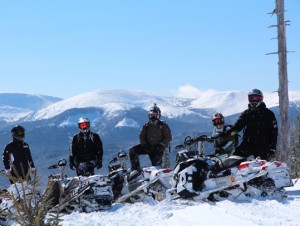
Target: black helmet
{"x": 218, "y": 119}
{"x": 255, "y": 97}
{"x": 18, "y": 132}
{"x": 154, "y": 112}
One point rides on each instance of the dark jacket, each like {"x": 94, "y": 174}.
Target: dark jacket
{"x": 16, "y": 156}
{"x": 260, "y": 126}
{"x": 85, "y": 147}
{"x": 154, "y": 133}
{"x": 225, "y": 144}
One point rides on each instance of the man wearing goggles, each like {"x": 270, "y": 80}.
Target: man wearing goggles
{"x": 223, "y": 145}
{"x": 17, "y": 158}
{"x": 86, "y": 150}
{"x": 260, "y": 129}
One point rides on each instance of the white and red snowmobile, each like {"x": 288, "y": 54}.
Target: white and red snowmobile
{"x": 81, "y": 194}
{"x": 203, "y": 177}
{"x": 148, "y": 186}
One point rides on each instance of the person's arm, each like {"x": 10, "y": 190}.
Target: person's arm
{"x": 273, "y": 130}
{"x": 99, "y": 145}
{"x": 167, "y": 135}
{"x": 6, "y": 160}
{"x": 29, "y": 158}
{"x": 71, "y": 153}
{"x": 239, "y": 124}
{"x": 143, "y": 134}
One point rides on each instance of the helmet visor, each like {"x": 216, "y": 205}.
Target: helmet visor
{"x": 218, "y": 121}
{"x": 20, "y": 134}
{"x": 154, "y": 115}
{"x": 84, "y": 125}
{"x": 255, "y": 98}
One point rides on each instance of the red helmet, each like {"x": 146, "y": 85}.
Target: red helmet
{"x": 255, "y": 97}
{"x": 218, "y": 119}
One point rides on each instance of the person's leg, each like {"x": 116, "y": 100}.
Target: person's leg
{"x": 156, "y": 155}
{"x": 134, "y": 153}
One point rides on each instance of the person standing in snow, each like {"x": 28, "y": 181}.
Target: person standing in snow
{"x": 17, "y": 158}
{"x": 155, "y": 137}
{"x": 86, "y": 150}
{"x": 260, "y": 129}
{"x": 223, "y": 145}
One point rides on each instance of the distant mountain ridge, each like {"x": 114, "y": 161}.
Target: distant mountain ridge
{"x": 16, "y": 106}
{"x": 117, "y": 115}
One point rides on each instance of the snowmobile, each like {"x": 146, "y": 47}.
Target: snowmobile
{"x": 148, "y": 186}
{"x": 82, "y": 194}
{"x": 202, "y": 177}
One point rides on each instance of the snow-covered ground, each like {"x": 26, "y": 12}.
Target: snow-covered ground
{"x": 224, "y": 213}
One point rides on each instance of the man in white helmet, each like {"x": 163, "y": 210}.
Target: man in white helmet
{"x": 86, "y": 150}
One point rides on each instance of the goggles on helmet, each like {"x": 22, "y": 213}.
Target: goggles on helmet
{"x": 84, "y": 125}
{"x": 218, "y": 121}
{"x": 20, "y": 134}
{"x": 255, "y": 98}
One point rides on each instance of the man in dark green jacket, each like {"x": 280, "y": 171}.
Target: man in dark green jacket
{"x": 155, "y": 137}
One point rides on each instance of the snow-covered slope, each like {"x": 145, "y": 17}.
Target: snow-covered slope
{"x": 264, "y": 212}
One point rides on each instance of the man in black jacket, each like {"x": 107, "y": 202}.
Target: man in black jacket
{"x": 260, "y": 129}
{"x": 86, "y": 150}
{"x": 17, "y": 158}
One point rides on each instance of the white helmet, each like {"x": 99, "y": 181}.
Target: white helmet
{"x": 84, "y": 124}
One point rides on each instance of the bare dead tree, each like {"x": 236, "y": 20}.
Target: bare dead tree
{"x": 284, "y": 142}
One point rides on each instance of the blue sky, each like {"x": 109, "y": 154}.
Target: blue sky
{"x": 65, "y": 48}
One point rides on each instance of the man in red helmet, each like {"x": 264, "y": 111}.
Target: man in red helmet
{"x": 260, "y": 129}
{"x": 86, "y": 150}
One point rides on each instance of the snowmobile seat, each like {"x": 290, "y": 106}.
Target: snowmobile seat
{"x": 233, "y": 160}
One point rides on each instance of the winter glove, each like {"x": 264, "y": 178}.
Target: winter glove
{"x": 99, "y": 164}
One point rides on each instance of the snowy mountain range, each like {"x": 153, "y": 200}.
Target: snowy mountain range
{"x": 118, "y": 115}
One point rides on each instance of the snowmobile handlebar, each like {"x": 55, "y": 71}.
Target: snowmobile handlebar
{"x": 60, "y": 163}
{"x": 190, "y": 141}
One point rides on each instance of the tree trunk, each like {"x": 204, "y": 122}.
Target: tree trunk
{"x": 284, "y": 144}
